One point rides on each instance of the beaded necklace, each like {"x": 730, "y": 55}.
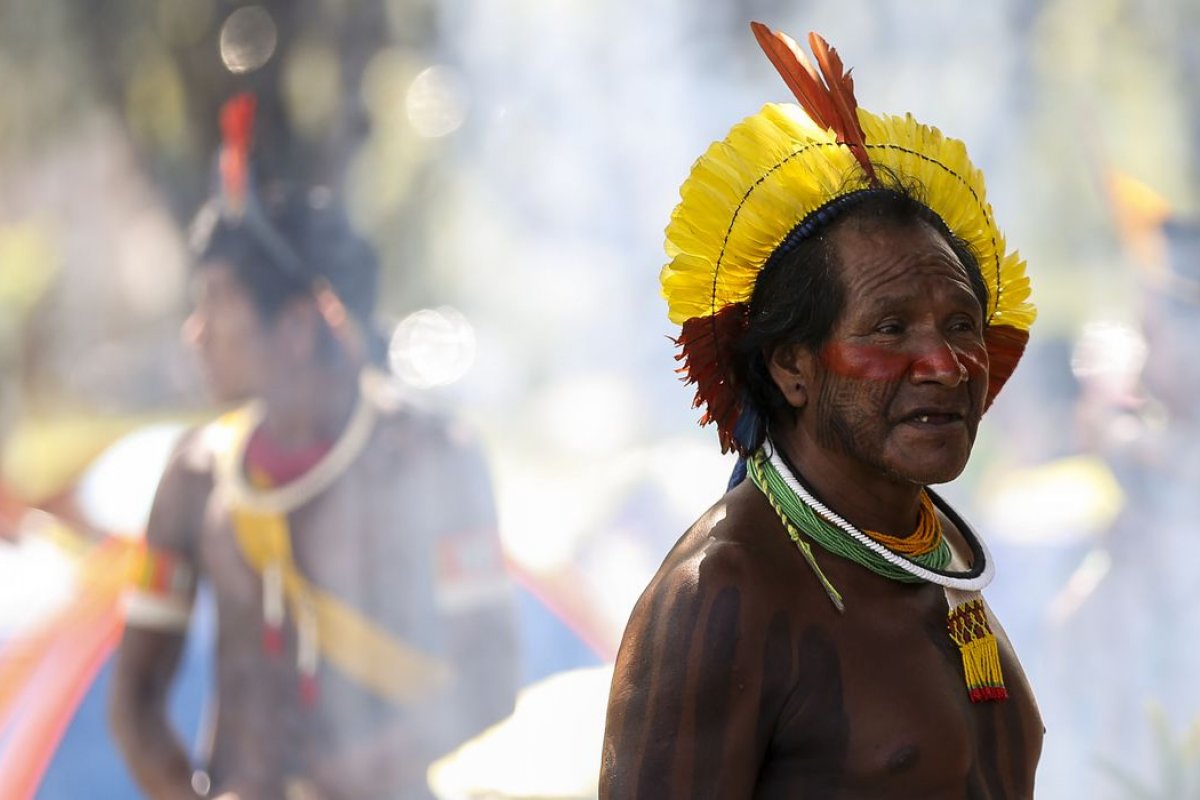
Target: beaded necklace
{"x": 927, "y": 556}
{"x": 931, "y": 551}
{"x": 972, "y": 580}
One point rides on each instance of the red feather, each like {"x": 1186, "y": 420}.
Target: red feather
{"x": 830, "y": 103}
{"x": 237, "y": 131}
{"x": 841, "y": 92}
{"x": 797, "y": 73}
{"x": 1005, "y": 345}
{"x": 704, "y": 344}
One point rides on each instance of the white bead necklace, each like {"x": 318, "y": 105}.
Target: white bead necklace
{"x": 973, "y": 580}
{"x": 290, "y": 496}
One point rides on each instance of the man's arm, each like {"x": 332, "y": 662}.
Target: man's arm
{"x": 146, "y": 664}
{"x": 157, "y": 610}
{"x": 690, "y": 713}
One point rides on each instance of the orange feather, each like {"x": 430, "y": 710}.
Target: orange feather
{"x": 830, "y": 102}
{"x": 237, "y": 133}
{"x": 841, "y": 93}
{"x": 797, "y": 73}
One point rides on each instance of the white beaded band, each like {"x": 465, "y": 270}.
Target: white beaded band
{"x": 961, "y": 582}
{"x": 288, "y": 497}
{"x": 156, "y": 612}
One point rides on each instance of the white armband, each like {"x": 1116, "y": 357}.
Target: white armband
{"x": 158, "y": 612}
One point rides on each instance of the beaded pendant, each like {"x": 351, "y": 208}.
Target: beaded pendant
{"x": 970, "y": 630}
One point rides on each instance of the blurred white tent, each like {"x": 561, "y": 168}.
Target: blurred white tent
{"x": 549, "y": 749}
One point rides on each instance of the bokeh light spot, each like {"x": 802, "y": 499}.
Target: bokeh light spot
{"x": 248, "y": 39}
{"x": 432, "y": 347}
{"x": 436, "y": 102}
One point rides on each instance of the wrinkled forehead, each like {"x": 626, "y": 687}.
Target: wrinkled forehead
{"x": 875, "y": 255}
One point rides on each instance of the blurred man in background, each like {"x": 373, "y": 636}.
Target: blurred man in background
{"x": 350, "y": 540}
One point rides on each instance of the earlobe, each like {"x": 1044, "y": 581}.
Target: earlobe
{"x": 791, "y": 369}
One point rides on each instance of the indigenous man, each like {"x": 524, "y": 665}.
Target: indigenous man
{"x": 849, "y": 310}
{"x": 364, "y": 623}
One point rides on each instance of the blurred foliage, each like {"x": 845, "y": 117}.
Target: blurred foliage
{"x": 159, "y": 65}
{"x": 1111, "y": 89}
{"x": 1178, "y": 761}
{"x": 331, "y": 101}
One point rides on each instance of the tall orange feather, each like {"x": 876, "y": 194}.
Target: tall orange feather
{"x": 830, "y": 103}
{"x": 237, "y": 132}
{"x": 841, "y": 91}
{"x": 797, "y": 73}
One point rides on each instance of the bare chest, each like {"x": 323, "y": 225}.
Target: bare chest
{"x": 880, "y": 710}
{"x": 364, "y": 541}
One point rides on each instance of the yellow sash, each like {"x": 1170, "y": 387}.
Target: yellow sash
{"x": 361, "y": 649}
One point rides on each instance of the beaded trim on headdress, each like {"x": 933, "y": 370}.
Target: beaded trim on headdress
{"x": 780, "y": 169}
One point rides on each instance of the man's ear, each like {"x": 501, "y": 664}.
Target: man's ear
{"x": 298, "y": 328}
{"x": 792, "y": 367}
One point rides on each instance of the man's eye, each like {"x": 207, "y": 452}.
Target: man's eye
{"x": 889, "y": 328}
{"x": 964, "y": 325}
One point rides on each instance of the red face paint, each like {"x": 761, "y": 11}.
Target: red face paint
{"x": 865, "y": 362}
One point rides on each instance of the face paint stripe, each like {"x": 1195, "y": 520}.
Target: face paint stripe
{"x": 822, "y": 696}
{"x": 632, "y": 727}
{"x": 662, "y": 721}
{"x": 777, "y": 676}
{"x": 865, "y": 362}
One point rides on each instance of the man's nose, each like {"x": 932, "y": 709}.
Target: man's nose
{"x": 938, "y": 362}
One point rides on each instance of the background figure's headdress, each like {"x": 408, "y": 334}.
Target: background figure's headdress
{"x": 780, "y": 169}
{"x": 236, "y": 201}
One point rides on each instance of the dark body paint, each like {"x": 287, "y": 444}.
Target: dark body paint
{"x": 739, "y": 679}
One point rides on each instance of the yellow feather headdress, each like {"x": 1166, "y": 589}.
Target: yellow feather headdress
{"x": 774, "y": 170}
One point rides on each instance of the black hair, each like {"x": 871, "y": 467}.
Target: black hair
{"x": 799, "y": 294}
{"x": 282, "y": 246}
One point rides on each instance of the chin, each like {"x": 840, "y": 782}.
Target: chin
{"x": 930, "y": 460}
{"x": 933, "y": 477}
{"x": 929, "y": 471}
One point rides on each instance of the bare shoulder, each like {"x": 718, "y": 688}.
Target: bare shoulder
{"x": 406, "y": 430}
{"x": 434, "y": 465}
{"x": 704, "y": 667}
{"x": 732, "y": 561}
{"x": 190, "y": 470}
{"x": 183, "y": 491}
{"x": 738, "y": 542}
{"x": 194, "y": 453}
